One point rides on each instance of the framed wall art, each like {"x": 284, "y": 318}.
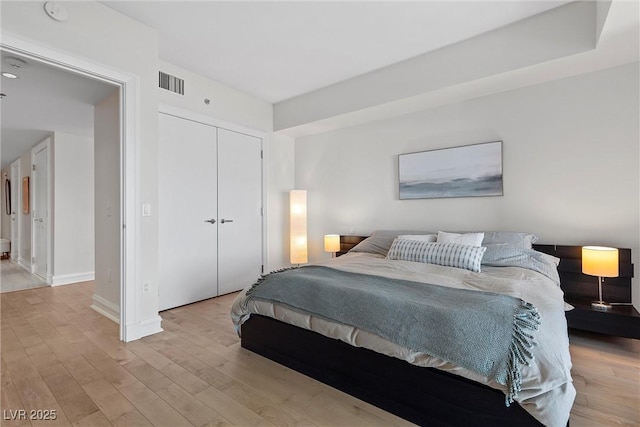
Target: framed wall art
{"x": 25, "y": 195}
{"x": 467, "y": 171}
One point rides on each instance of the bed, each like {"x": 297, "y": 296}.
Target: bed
{"x": 413, "y": 384}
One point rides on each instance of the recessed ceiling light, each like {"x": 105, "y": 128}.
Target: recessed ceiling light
{"x": 9, "y": 75}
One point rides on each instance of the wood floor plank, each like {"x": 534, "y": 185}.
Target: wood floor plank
{"x": 192, "y": 408}
{"x": 156, "y": 410}
{"x": 111, "y": 403}
{"x": 96, "y": 419}
{"x": 231, "y": 409}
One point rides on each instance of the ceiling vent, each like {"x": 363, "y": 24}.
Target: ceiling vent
{"x": 171, "y": 83}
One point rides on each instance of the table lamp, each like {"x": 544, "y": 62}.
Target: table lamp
{"x": 332, "y": 243}
{"x": 602, "y": 262}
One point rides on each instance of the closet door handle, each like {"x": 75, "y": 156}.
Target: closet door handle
{"x": 225, "y": 220}
{"x": 211, "y": 221}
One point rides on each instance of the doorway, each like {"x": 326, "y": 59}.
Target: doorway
{"x": 128, "y": 98}
{"x": 40, "y": 211}
{"x": 15, "y": 205}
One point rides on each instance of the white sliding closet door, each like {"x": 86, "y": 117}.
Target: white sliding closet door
{"x": 187, "y": 200}
{"x": 239, "y": 210}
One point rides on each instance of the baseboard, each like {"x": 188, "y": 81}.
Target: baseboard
{"x": 24, "y": 264}
{"x": 142, "y": 329}
{"x": 66, "y": 279}
{"x": 106, "y": 308}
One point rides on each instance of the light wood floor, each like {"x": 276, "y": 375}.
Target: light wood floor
{"x": 58, "y": 354}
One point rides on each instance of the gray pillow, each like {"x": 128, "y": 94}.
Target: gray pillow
{"x": 374, "y": 245}
{"x": 396, "y": 233}
{"x": 505, "y": 255}
{"x": 521, "y": 240}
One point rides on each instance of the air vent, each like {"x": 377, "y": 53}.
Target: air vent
{"x": 171, "y": 83}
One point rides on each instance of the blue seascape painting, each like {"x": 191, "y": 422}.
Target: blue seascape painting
{"x": 468, "y": 171}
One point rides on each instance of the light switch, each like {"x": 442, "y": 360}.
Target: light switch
{"x": 146, "y": 210}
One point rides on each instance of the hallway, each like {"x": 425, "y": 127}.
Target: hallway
{"x": 15, "y": 278}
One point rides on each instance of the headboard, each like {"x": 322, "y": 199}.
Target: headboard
{"x": 577, "y": 287}
{"x": 348, "y": 242}
{"x": 581, "y": 287}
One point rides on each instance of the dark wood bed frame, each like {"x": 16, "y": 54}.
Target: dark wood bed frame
{"x": 425, "y": 396}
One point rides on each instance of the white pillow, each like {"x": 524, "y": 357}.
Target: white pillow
{"x": 420, "y": 237}
{"x": 473, "y": 239}
{"x": 447, "y": 254}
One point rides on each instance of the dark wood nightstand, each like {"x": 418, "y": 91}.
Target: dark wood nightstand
{"x": 621, "y": 320}
{"x": 580, "y": 289}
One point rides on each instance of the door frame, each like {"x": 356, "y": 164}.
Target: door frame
{"x": 184, "y": 113}
{"x": 16, "y": 200}
{"x": 43, "y": 145}
{"x": 130, "y": 327}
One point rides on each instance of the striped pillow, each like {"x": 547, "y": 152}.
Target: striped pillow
{"x": 447, "y": 254}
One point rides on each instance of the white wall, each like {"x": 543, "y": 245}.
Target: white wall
{"x": 73, "y": 210}
{"x": 106, "y": 297}
{"x": 570, "y": 164}
{"x": 225, "y": 103}
{"x": 280, "y": 174}
{"x": 98, "y": 34}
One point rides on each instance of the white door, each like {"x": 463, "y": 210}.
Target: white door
{"x": 40, "y": 214}
{"x": 15, "y": 210}
{"x": 187, "y": 209}
{"x": 239, "y": 210}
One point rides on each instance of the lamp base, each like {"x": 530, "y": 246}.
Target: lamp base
{"x": 601, "y": 305}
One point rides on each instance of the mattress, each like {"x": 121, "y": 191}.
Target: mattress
{"x": 547, "y": 389}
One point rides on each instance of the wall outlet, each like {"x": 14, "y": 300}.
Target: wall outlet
{"x": 146, "y": 287}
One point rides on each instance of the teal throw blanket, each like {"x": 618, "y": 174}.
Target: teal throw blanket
{"x": 485, "y": 332}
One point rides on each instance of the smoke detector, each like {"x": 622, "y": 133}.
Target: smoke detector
{"x": 56, "y": 11}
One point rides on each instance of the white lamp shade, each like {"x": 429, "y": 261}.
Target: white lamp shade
{"x": 298, "y": 226}
{"x": 600, "y": 261}
{"x": 331, "y": 243}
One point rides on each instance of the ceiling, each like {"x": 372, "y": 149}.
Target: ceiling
{"x": 278, "y": 50}
{"x": 43, "y": 99}
{"x": 271, "y": 50}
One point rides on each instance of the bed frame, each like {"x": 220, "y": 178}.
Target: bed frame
{"x": 425, "y": 396}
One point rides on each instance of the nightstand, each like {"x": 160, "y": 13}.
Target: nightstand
{"x": 621, "y": 320}
{"x": 580, "y": 289}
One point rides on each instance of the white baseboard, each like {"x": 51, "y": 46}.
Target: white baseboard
{"x": 24, "y": 264}
{"x": 106, "y": 308}
{"x": 66, "y": 279}
{"x": 142, "y": 329}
